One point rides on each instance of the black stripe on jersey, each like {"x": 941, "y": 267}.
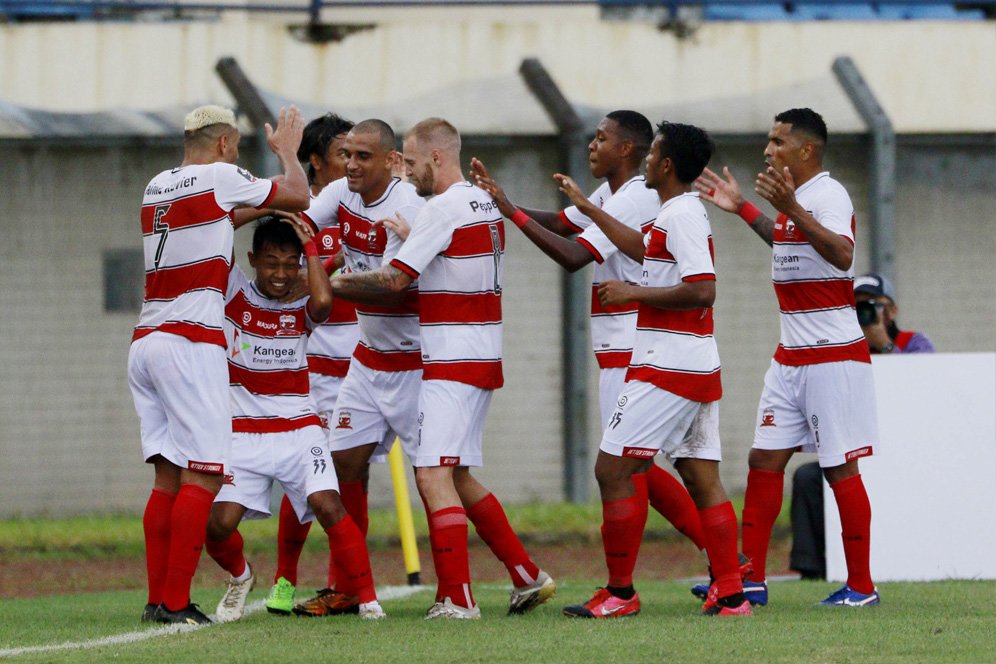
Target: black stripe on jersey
{"x": 497, "y": 322}
{"x": 167, "y": 268}
{"x": 192, "y": 226}
{"x": 705, "y": 372}
{"x": 827, "y": 345}
{"x": 814, "y": 311}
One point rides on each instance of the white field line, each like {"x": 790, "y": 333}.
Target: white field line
{"x": 386, "y": 593}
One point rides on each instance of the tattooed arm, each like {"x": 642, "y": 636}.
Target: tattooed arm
{"x": 386, "y": 286}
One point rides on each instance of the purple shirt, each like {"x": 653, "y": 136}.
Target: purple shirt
{"x": 918, "y": 343}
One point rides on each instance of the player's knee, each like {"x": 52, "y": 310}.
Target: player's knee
{"x": 328, "y": 508}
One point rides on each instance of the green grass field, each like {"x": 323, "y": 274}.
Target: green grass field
{"x": 952, "y": 621}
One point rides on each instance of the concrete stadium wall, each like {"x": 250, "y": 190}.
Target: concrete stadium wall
{"x": 68, "y": 431}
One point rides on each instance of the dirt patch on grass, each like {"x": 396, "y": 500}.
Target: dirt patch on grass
{"x": 663, "y": 560}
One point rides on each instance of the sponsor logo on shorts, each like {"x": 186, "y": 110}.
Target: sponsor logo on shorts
{"x": 449, "y": 461}
{"x": 344, "y": 420}
{"x": 858, "y": 453}
{"x": 229, "y": 479}
{"x": 324, "y": 419}
{"x": 622, "y": 401}
{"x": 206, "y": 467}
{"x": 317, "y": 451}
{"x": 768, "y": 418}
{"x": 639, "y": 452}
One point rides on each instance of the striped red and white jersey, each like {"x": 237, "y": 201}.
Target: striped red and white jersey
{"x": 816, "y": 299}
{"x": 267, "y": 361}
{"x": 333, "y": 342}
{"x": 613, "y": 328}
{"x": 675, "y": 349}
{"x": 389, "y": 336}
{"x": 456, "y": 250}
{"x": 187, "y": 237}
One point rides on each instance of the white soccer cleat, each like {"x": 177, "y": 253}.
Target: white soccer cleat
{"x": 527, "y": 598}
{"x": 372, "y": 611}
{"x": 446, "y": 609}
{"x": 233, "y": 602}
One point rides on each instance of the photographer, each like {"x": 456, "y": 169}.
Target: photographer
{"x": 877, "y": 311}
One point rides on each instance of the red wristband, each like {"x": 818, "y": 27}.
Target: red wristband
{"x": 329, "y": 265}
{"x": 310, "y": 249}
{"x": 520, "y": 218}
{"x": 748, "y": 212}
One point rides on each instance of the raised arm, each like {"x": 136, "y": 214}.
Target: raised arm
{"x": 724, "y": 193}
{"x": 568, "y": 253}
{"x": 551, "y": 221}
{"x": 293, "y": 194}
{"x": 319, "y": 289}
{"x": 629, "y": 241}
{"x": 779, "y": 190}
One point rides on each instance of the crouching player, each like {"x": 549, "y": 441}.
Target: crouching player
{"x": 277, "y": 434}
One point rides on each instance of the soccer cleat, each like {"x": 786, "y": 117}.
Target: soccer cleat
{"x": 848, "y": 596}
{"x": 149, "y": 612}
{"x": 192, "y": 615}
{"x": 604, "y": 604}
{"x": 712, "y": 607}
{"x": 527, "y": 598}
{"x": 233, "y": 602}
{"x": 328, "y": 602}
{"x": 372, "y": 611}
{"x": 446, "y": 609}
{"x": 280, "y": 601}
{"x": 746, "y": 569}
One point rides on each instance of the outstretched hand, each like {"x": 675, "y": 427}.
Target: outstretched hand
{"x": 305, "y": 233}
{"x": 723, "y": 192}
{"x": 397, "y": 224}
{"x": 778, "y": 188}
{"x": 571, "y": 189}
{"x": 483, "y": 179}
{"x": 287, "y": 136}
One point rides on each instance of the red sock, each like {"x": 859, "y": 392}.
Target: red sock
{"x": 349, "y": 551}
{"x": 189, "y": 527}
{"x": 623, "y": 522}
{"x": 762, "y": 503}
{"x": 229, "y": 554}
{"x": 492, "y": 525}
{"x": 719, "y": 524}
{"x": 669, "y": 497}
{"x": 354, "y": 499}
{"x": 156, "y": 523}
{"x": 855, "y": 527}
{"x": 448, "y": 538}
{"x": 291, "y": 535}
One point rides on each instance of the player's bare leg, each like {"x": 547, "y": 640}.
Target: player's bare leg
{"x": 719, "y": 527}
{"x": 448, "y": 538}
{"x": 623, "y": 488}
{"x": 855, "y": 526}
{"x": 224, "y": 544}
{"x": 531, "y": 585}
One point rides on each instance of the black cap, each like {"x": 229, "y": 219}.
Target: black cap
{"x": 875, "y": 284}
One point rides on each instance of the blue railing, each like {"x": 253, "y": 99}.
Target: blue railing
{"x": 716, "y": 10}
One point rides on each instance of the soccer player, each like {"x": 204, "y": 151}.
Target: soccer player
{"x": 330, "y": 345}
{"x": 616, "y": 155}
{"x": 670, "y": 402}
{"x": 818, "y": 392}
{"x": 176, "y": 364}
{"x": 455, "y": 251}
{"x": 277, "y": 432}
{"x": 378, "y": 399}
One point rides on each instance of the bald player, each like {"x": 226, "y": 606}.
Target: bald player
{"x": 177, "y": 369}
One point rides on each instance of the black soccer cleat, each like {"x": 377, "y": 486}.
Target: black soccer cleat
{"x": 191, "y": 615}
{"x": 149, "y": 612}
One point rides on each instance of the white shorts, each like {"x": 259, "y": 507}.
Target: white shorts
{"x": 325, "y": 390}
{"x": 648, "y": 420}
{"x": 451, "y": 424}
{"x": 376, "y": 407}
{"x": 611, "y": 383}
{"x": 824, "y": 408}
{"x": 180, "y": 389}
{"x": 298, "y": 459}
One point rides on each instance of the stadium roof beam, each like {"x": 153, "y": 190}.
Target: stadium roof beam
{"x": 250, "y": 102}
{"x": 882, "y": 169}
{"x": 575, "y": 289}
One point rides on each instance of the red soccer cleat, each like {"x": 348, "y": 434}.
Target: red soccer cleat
{"x": 604, "y": 605}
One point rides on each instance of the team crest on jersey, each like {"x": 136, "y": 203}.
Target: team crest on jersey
{"x": 286, "y": 328}
{"x": 345, "y": 417}
{"x": 229, "y": 479}
{"x": 768, "y": 418}
{"x": 789, "y": 229}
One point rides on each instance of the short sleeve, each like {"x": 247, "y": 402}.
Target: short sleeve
{"x": 234, "y": 186}
{"x": 409, "y": 212}
{"x": 324, "y": 209}
{"x": 431, "y": 233}
{"x": 578, "y": 221}
{"x": 689, "y": 240}
{"x": 835, "y": 212}
{"x": 623, "y": 210}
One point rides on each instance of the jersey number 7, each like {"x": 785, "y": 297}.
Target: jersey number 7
{"x": 160, "y": 228}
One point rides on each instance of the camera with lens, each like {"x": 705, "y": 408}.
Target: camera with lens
{"x": 868, "y": 312}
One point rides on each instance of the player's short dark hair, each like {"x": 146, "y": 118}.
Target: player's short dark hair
{"x": 272, "y": 231}
{"x": 634, "y": 127}
{"x": 318, "y": 134}
{"x": 688, "y": 146}
{"x": 388, "y": 141}
{"x": 805, "y": 120}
